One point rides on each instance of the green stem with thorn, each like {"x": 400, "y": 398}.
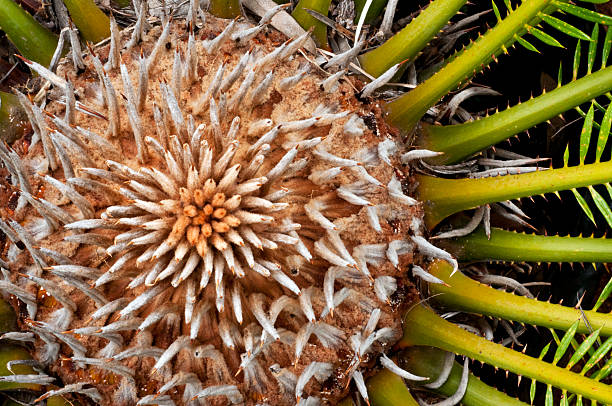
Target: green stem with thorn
{"x": 32, "y": 40}
{"x": 406, "y": 111}
{"x": 429, "y": 361}
{"x": 425, "y": 328}
{"x": 408, "y": 43}
{"x": 443, "y": 197}
{"x": 460, "y": 294}
{"x": 462, "y": 140}
{"x": 512, "y": 246}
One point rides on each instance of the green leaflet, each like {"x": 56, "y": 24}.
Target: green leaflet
{"x": 606, "y": 48}
{"x": 585, "y": 134}
{"x": 526, "y": 44}
{"x": 564, "y": 27}
{"x": 496, "y": 10}
{"x": 597, "y": 356}
{"x": 577, "y": 55}
{"x": 544, "y": 37}
{"x": 565, "y": 342}
{"x": 602, "y": 205}
{"x": 583, "y": 205}
{"x": 549, "y": 396}
{"x": 603, "y": 372}
{"x": 604, "y": 132}
{"x": 582, "y": 349}
{"x": 605, "y": 294}
{"x": 592, "y": 48}
{"x": 532, "y": 388}
{"x": 583, "y": 13}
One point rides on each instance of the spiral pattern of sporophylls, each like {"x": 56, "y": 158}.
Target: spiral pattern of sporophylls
{"x": 208, "y": 217}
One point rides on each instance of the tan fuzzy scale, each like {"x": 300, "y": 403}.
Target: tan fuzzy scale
{"x": 245, "y": 236}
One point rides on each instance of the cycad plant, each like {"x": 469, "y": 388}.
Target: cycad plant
{"x": 453, "y": 169}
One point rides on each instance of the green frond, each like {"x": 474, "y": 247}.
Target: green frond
{"x": 407, "y": 110}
